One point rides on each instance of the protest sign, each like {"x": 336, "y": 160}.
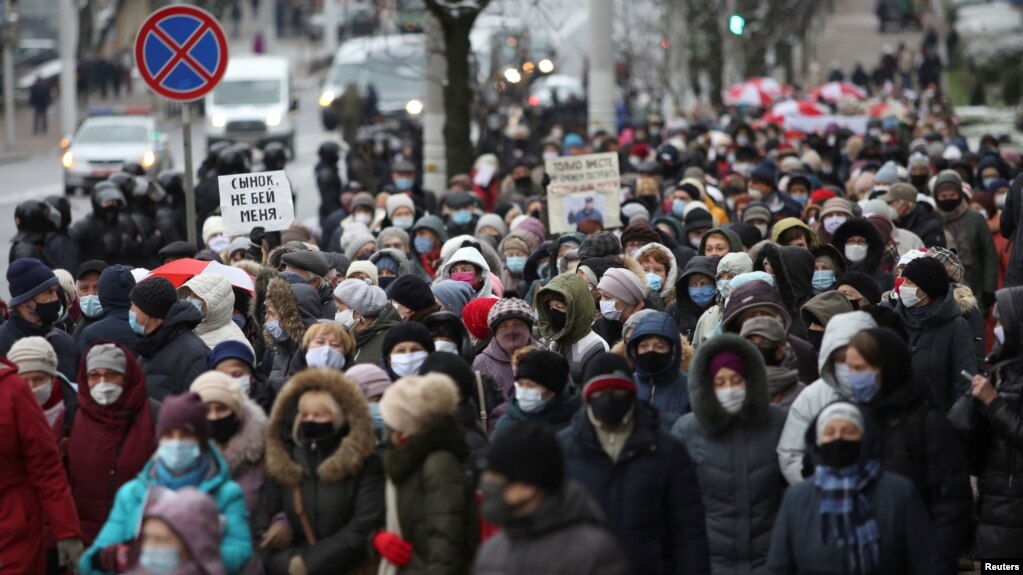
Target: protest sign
{"x": 259, "y": 199}
{"x": 583, "y": 188}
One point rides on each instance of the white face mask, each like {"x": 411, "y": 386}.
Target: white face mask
{"x": 106, "y": 393}
{"x": 405, "y": 364}
{"x": 855, "y": 252}
{"x": 346, "y": 319}
{"x": 731, "y": 398}
{"x": 325, "y": 356}
{"x": 363, "y": 218}
{"x": 220, "y": 243}
{"x": 445, "y": 345}
{"x": 43, "y": 392}
{"x": 842, "y": 372}
{"x": 725, "y": 288}
{"x": 403, "y": 222}
{"x": 609, "y": 311}
{"x": 832, "y": 223}
{"x": 909, "y": 296}
{"x": 244, "y": 382}
{"x": 695, "y": 241}
{"x": 1000, "y": 200}
{"x": 550, "y": 155}
{"x": 528, "y": 398}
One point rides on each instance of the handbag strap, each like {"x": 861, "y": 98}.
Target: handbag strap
{"x": 296, "y": 494}
{"x": 483, "y": 400}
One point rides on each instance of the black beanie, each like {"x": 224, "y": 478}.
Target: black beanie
{"x": 604, "y": 364}
{"x": 863, "y": 283}
{"x": 408, "y": 331}
{"x": 454, "y": 367}
{"x": 154, "y": 296}
{"x": 929, "y": 275}
{"x": 530, "y": 455}
{"x": 412, "y": 292}
{"x": 547, "y": 368}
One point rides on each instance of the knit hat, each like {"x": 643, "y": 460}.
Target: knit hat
{"x": 33, "y": 354}
{"x": 492, "y": 221}
{"x": 768, "y": 328}
{"x": 307, "y": 260}
{"x": 241, "y": 243}
{"x": 453, "y": 295}
{"x": 412, "y": 292}
{"x": 622, "y": 285}
{"x": 863, "y": 283}
{"x": 106, "y": 356}
{"x": 533, "y": 226}
{"x": 839, "y": 410}
{"x": 363, "y": 199}
{"x": 508, "y": 308}
{"x": 212, "y": 226}
{"x": 948, "y": 178}
{"x": 515, "y": 242}
{"x": 547, "y": 368}
{"x": 221, "y": 388}
{"x": 641, "y": 232}
{"x": 531, "y": 455}
{"x": 395, "y": 201}
{"x": 230, "y": 349}
{"x": 154, "y": 296}
{"x": 599, "y": 245}
{"x": 764, "y": 172}
{"x": 186, "y": 412}
{"x": 757, "y": 211}
{"x": 887, "y": 175}
{"x": 919, "y": 160}
{"x": 295, "y": 233}
{"x": 414, "y": 403}
{"x": 900, "y": 191}
{"x": 635, "y": 318}
{"x": 365, "y": 299}
{"x": 367, "y": 267}
{"x": 392, "y": 232}
{"x": 92, "y": 266}
{"x": 27, "y": 278}
{"x": 67, "y": 284}
{"x": 929, "y": 275}
{"x": 607, "y": 371}
{"x": 356, "y": 239}
{"x": 836, "y": 205}
{"x": 475, "y": 315}
{"x": 698, "y": 219}
{"x": 635, "y": 212}
{"x": 949, "y": 259}
{"x": 408, "y": 331}
{"x": 371, "y": 379}
{"x": 730, "y": 360}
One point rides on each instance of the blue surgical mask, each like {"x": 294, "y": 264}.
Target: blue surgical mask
{"x": 275, "y": 329}
{"x": 725, "y": 287}
{"x": 325, "y": 356}
{"x": 159, "y": 559}
{"x": 515, "y": 264}
{"x": 702, "y": 295}
{"x": 988, "y": 182}
{"x": 91, "y": 307}
{"x": 863, "y": 385}
{"x": 197, "y": 304}
{"x": 378, "y": 418}
{"x": 529, "y": 398}
{"x": 404, "y": 184}
{"x": 801, "y": 199}
{"x": 404, "y": 222}
{"x": 654, "y": 281}
{"x": 823, "y": 280}
{"x": 461, "y": 217}
{"x": 423, "y": 245}
{"x": 178, "y": 454}
{"x": 133, "y": 323}
{"x": 678, "y": 207}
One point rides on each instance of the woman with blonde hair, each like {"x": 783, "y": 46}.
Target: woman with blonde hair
{"x": 327, "y": 344}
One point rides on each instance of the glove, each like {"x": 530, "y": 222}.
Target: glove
{"x": 68, "y": 552}
{"x": 297, "y": 566}
{"x": 256, "y": 236}
{"x": 989, "y": 300}
{"x": 396, "y": 550}
{"x": 112, "y": 558}
{"x": 273, "y": 239}
{"x": 277, "y": 537}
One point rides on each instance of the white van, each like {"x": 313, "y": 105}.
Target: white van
{"x": 254, "y": 103}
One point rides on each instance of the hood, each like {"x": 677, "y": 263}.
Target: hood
{"x": 132, "y": 398}
{"x": 432, "y": 223}
{"x": 247, "y": 446}
{"x": 570, "y": 506}
{"x": 965, "y": 298}
{"x": 574, "y": 237}
{"x": 834, "y": 255}
{"x": 1010, "y": 314}
{"x": 736, "y": 263}
{"x": 115, "y": 284}
{"x": 821, "y": 308}
{"x": 262, "y": 287}
{"x": 672, "y": 275}
{"x": 875, "y": 245}
{"x": 750, "y": 295}
{"x": 793, "y": 273}
{"x": 182, "y": 314}
{"x": 488, "y": 252}
{"x": 298, "y": 306}
{"x": 697, "y": 265}
{"x": 404, "y": 266}
{"x": 581, "y": 308}
{"x": 734, "y": 241}
{"x": 897, "y": 387}
{"x": 195, "y": 518}
{"x": 349, "y": 456}
{"x": 840, "y": 330}
{"x": 474, "y": 257}
{"x": 706, "y": 408}
{"x": 674, "y": 224}
{"x": 661, "y": 325}
{"x": 787, "y": 224}
{"x": 216, "y": 292}
{"x": 870, "y": 448}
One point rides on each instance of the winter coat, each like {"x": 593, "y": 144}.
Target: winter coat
{"x": 740, "y": 479}
{"x": 871, "y": 265}
{"x": 435, "y": 499}
{"x": 26, "y": 244}
{"x": 978, "y": 257}
{"x": 32, "y": 482}
{"x": 793, "y": 273}
{"x": 684, "y": 310}
{"x": 340, "y": 480}
{"x": 16, "y": 328}
{"x": 217, "y": 325}
{"x": 113, "y": 442}
{"x": 576, "y": 341}
{"x": 172, "y": 356}
{"x": 98, "y": 240}
{"x": 650, "y": 495}
{"x": 496, "y": 363}
{"x": 298, "y": 307}
{"x": 792, "y": 445}
{"x": 473, "y": 256}
{"x": 555, "y": 415}
{"x": 942, "y": 347}
{"x": 369, "y": 343}
{"x": 1011, "y": 228}
{"x": 112, "y": 325}
{"x": 668, "y": 289}
{"x": 198, "y": 529}
{"x": 666, "y": 390}
{"x": 435, "y": 225}
{"x": 708, "y": 324}
{"x": 244, "y": 453}
{"x": 122, "y": 525}
{"x": 565, "y": 535}
{"x": 924, "y": 221}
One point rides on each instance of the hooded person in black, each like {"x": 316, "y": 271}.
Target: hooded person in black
{"x": 695, "y": 293}
{"x": 108, "y": 232}
{"x": 61, "y": 250}
{"x": 792, "y": 268}
{"x": 861, "y": 244}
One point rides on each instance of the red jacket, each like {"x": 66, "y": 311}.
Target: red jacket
{"x": 32, "y": 482}
{"x": 109, "y": 445}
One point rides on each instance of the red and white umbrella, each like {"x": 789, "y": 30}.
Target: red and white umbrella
{"x": 180, "y": 271}
{"x": 888, "y": 108}
{"x": 835, "y": 91}
{"x": 760, "y": 92}
{"x": 791, "y": 108}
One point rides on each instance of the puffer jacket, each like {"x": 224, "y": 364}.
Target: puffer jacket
{"x": 576, "y": 341}
{"x": 871, "y": 265}
{"x": 340, "y": 480}
{"x": 297, "y": 307}
{"x": 684, "y": 310}
{"x": 793, "y": 274}
{"x": 555, "y": 415}
{"x": 369, "y": 343}
{"x": 740, "y": 479}
{"x": 217, "y": 326}
{"x": 792, "y": 445}
{"x": 668, "y": 290}
{"x": 474, "y": 257}
{"x": 244, "y": 453}
{"x": 172, "y": 356}
{"x": 115, "y": 285}
{"x": 666, "y": 390}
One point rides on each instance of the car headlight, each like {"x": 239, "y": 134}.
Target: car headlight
{"x": 327, "y": 98}
{"x": 67, "y": 159}
{"x": 218, "y": 120}
{"x": 414, "y": 107}
{"x": 512, "y": 75}
{"x": 273, "y": 119}
{"x": 148, "y": 159}
{"x": 545, "y": 66}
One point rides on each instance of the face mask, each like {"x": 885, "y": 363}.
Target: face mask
{"x": 770, "y": 355}
{"x": 909, "y": 296}
{"x": 403, "y": 364}
{"x": 513, "y": 339}
{"x": 653, "y": 281}
{"x": 219, "y": 243}
{"x": 461, "y": 217}
{"x": 731, "y": 398}
{"x": 678, "y": 207}
{"x": 840, "y": 453}
{"x": 724, "y": 288}
{"x": 762, "y": 228}
{"x": 864, "y": 386}
{"x": 516, "y": 264}
{"x": 948, "y": 205}
{"x": 557, "y": 319}
{"x": 245, "y": 383}
{"x": 756, "y": 194}
{"x": 610, "y": 409}
{"x": 159, "y": 559}
{"x": 800, "y": 199}
{"x": 653, "y": 362}
{"x": 133, "y": 323}
{"x": 346, "y": 319}
{"x": 48, "y": 312}
{"x": 404, "y": 184}
{"x": 987, "y": 183}
{"x": 313, "y": 430}
{"x": 363, "y": 218}
{"x": 43, "y": 392}
{"x": 549, "y": 155}
{"x": 467, "y": 277}
{"x": 178, "y": 454}
{"x": 634, "y": 161}
{"x": 695, "y": 241}
{"x": 702, "y": 295}
{"x": 325, "y": 356}
{"x": 385, "y": 281}
{"x": 276, "y": 331}
{"x": 223, "y": 429}
{"x": 493, "y": 507}
{"x": 528, "y": 398}
{"x": 609, "y": 311}
{"x": 742, "y": 140}
{"x": 91, "y": 307}
{"x": 1000, "y": 333}
{"x": 423, "y": 245}
{"x": 403, "y": 223}
{"x": 239, "y": 320}
{"x": 445, "y": 346}
{"x": 823, "y": 280}
{"x": 832, "y": 223}
{"x": 816, "y": 338}
{"x": 855, "y": 253}
{"x": 1000, "y": 200}
{"x": 197, "y": 304}
{"x": 524, "y": 182}
{"x": 842, "y": 375}
{"x": 106, "y": 393}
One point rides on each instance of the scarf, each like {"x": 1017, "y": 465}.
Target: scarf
{"x": 960, "y": 234}
{"x": 191, "y": 478}
{"x": 780, "y": 378}
{"x": 846, "y": 514}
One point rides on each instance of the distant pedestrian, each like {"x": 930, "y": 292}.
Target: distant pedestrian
{"x": 40, "y": 99}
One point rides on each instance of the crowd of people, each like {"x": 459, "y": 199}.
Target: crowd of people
{"x": 792, "y": 357}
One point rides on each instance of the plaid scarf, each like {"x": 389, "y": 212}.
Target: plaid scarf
{"x": 845, "y": 512}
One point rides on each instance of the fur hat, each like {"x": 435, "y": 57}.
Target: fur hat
{"x": 412, "y": 404}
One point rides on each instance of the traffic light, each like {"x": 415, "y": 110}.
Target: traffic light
{"x": 736, "y": 24}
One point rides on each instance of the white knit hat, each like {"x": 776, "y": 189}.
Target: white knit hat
{"x": 221, "y": 388}
{"x": 212, "y": 226}
{"x": 414, "y": 403}
{"x": 33, "y": 354}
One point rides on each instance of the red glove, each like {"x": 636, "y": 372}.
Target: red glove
{"x": 396, "y": 550}
{"x": 112, "y": 558}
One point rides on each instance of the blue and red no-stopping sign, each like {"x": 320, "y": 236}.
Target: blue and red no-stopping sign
{"x": 181, "y": 52}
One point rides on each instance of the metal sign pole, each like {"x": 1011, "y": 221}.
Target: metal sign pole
{"x": 186, "y": 129}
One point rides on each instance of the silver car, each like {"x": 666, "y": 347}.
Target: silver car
{"x": 104, "y": 144}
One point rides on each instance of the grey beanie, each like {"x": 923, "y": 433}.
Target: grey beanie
{"x": 356, "y": 240}
{"x": 394, "y": 232}
{"x": 887, "y": 175}
{"x": 839, "y": 410}
{"x": 365, "y": 299}
{"x": 33, "y": 354}
{"x": 106, "y": 356}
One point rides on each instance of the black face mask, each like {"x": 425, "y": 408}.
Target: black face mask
{"x": 385, "y": 281}
{"x": 494, "y": 507}
{"x": 840, "y": 453}
{"x": 770, "y": 356}
{"x": 223, "y": 429}
{"x": 949, "y": 205}
{"x": 610, "y": 408}
{"x": 48, "y": 312}
{"x": 536, "y": 214}
{"x": 557, "y": 319}
{"x": 524, "y": 182}
{"x": 653, "y": 362}
{"x": 107, "y": 215}
{"x": 313, "y": 430}
{"x": 919, "y": 182}
{"x": 815, "y": 338}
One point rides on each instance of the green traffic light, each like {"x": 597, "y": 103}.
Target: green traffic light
{"x": 736, "y": 24}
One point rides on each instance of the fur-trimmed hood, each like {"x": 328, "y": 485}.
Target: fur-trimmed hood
{"x": 248, "y": 445}
{"x": 261, "y": 280}
{"x": 672, "y": 276}
{"x": 875, "y": 244}
{"x": 298, "y": 306}
{"x": 353, "y": 450}
{"x": 706, "y": 408}
{"x": 965, "y": 298}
